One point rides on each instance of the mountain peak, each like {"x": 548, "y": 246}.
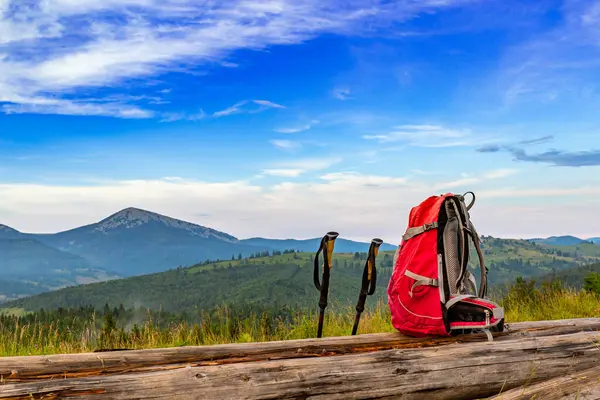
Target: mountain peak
{"x": 7, "y": 228}
{"x": 132, "y": 217}
{"x": 6, "y": 232}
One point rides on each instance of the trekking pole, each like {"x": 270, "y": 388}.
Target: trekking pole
{"x": 369, "y": 281}
{"x": 326, "y": 247}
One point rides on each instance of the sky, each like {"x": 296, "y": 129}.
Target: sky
{"x": 291, "y": 118}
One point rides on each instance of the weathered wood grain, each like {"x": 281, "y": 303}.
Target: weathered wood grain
{"x": 14, "y": 369}
{"x": 455, "y": 371}
{"x": 584, "y": 385}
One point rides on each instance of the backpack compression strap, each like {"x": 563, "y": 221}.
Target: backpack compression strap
{"x": 326, "y": 247}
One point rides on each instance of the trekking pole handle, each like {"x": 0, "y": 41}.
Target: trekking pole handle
{"x": 330, "y": 242}
{"x": 374, "y": 251}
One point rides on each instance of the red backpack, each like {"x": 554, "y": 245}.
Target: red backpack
{"x": 431, "y": 291}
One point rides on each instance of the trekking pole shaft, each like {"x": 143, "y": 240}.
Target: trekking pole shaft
{"x": 323, "y": 301}
{"x": 359, "y": 309}
{"x": 355, "y": 326}
{"x": 321, "y": 318}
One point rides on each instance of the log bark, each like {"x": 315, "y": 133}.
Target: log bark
{"x": 454, "y": 371}
{"x": 15, "y": 369}
{"x": 584, "y": 385}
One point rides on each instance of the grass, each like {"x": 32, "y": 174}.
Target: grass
{"x": 72, "y": 333}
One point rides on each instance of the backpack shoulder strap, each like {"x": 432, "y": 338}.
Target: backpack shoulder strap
{"x": 471, "y": 231}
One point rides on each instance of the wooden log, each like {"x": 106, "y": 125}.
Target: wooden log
{"x": 455, "y": 371}
{"x": 584, "y": 385}
{"x": 14, "y": 369}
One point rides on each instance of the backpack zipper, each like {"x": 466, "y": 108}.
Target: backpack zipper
{"x": 487, "y": 317}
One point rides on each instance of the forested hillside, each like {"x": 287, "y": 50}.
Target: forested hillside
{"x": 285, "y": 278}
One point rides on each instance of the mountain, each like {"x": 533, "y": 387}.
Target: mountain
{"x": 6, "y": 232}
{"x": 595, "y": 240}
{"x": 26, "y": 259}
{"x": 559, "y": 240}
{"x": 28, "y": 266}
{"x": 341, "y": 245}
{"x": 135, "y": 242}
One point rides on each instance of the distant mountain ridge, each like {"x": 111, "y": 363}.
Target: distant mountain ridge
{"x": 131, "y": 242}
{"x": 341, "y": 245}
{"x": 566, "y": 240}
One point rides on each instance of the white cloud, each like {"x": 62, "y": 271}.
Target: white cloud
{"x": 286, "y": 144}
{"x": 100, "y": 44}
{"x": 358, "y": 206}
{"x": 284, "y": 172}
{"x": 297, "y": 167}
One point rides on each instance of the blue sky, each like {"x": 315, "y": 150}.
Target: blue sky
{"x": 289, "y": 118}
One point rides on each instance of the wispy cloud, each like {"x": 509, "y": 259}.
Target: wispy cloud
{"x": 557, "y": 64}
{"x": 284, "y": 172}
{"x": 286, "y": 144}
{"x": 181, "y": 116}
{"x": 297, "y": 129}
{"x": 241, "y": 107}
{"x": 69, "y": 107}
{"x": 427, "y": 136}
{"x": 470, "y": 179}
{"x": 341, "y": 93}
{"x": 559, "y": 158}
{"x": 358, "y": 179}
{"x": 496, "y": 147}
{"x": 52, "y": 49}
{"x": 268, "y": 104}
{"x": 295, "y": 168}
{"x": 539, "y": 140}
{"x": 234, "y": 109}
